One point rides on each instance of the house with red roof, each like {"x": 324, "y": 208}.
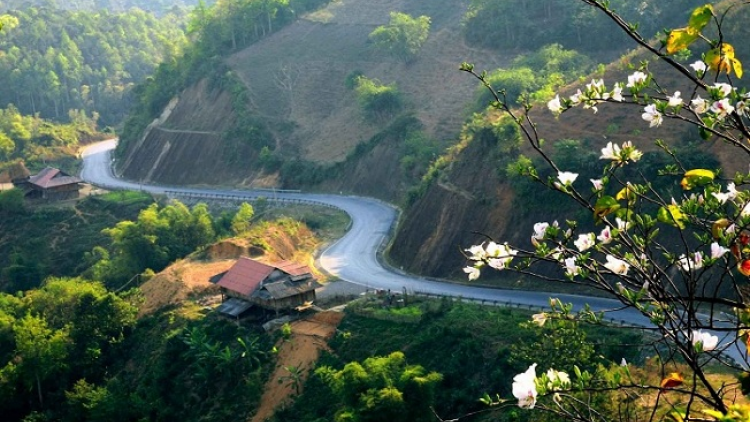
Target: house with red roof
{"x": 50, "y": 184}
{"x": 283, "y": 286}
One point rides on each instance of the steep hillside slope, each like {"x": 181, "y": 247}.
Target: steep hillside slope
{"x": 295, "y": 80}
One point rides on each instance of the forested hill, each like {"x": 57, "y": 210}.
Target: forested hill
{"x": 318, "y": 101}
{"x": 54, "y": 61}
{"x": 158, "y": 7}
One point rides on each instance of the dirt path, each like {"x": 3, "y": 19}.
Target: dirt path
{"x": 308, "y": 338}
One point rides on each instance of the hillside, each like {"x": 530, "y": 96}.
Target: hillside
{"x": 295, "y": 80}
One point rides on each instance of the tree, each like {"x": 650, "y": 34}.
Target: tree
{"x": 403, "y": 37}
{"x": 680, "y": 259}
{"x": 382, "y": 388}
{"x": 241, "y": 220}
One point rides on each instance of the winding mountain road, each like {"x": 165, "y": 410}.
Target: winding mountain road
{"x": 354, "y": 257}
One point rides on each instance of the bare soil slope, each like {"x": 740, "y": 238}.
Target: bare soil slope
{"x": 296, "y": 80}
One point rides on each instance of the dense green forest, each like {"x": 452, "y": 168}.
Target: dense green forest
{"x": 158, "y": 7}
{"x": 54, "y": 60}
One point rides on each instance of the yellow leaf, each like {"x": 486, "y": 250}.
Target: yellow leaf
{"x": 679, "y": 39}
{"x": 672, "y": 380}
{"x": 696, "y": 177}
{"x": 721, "y": 60}
{"x": 672, "y": 215}
{"x": 700, "y": 17}
{"x": 737, "y": 66}
{"x": 625, "y": 194}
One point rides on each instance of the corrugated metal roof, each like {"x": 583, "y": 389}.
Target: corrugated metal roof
{"x": 285, "y": 288}
{"x": 51, "y": 177}
{"x": 245, "y": 276}
{"x": 293, "y": 268}
{"x": 234, "y": 307}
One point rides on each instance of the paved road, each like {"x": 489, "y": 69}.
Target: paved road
{"x": 354, "y": 257}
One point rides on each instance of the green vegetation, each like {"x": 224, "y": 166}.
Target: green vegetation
{"x": 57, "y": 60}
{"x": 529, "y": 24}
{"x": 51, "y": 241}
{"x": 403, "y": 37}
{"x": 382, "y": 388}
{"x": 476, "y": 349}
{"x": 378, "y": 102}
{"x": 158, "y": 7}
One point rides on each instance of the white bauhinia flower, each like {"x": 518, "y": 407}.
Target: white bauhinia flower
{"x": 699, "y": 67}
{"x": 699, "y": 105}
{"x": 611, "y": 152}
{"x": 539, "y": 319}
{"x": 617, "y": 92}
{"x": 617, "y": 266}
{"x": 721, "y": 89}
{"x": 598, "y": 184}
{"x": 557, "y": 380}
{"x": 745, "y": 211}
{"x": 732, "y": 190}
{"x": 652, "y": 115}
{"x": 566, "y": 177}
{"x": 622, "y": 225}
{"x": 554, "y": 105}
{"x": 717, "y": 251}
{"x": 742, "y": 107}
{"x": 501, "y": 257}
{"x": 571, "y": 269}
{"x": 674, "y": 100}
{"x": 493, "y": 250}
{"x": 705, "y": 340}
{"x": 524, "y": 388}
{"x": 605, "y": 236}
{"x": 722, "y": 108}
{"x": 477, "y": 252}
{"x": 473, "y": 273}
{"x": 539, "y": 230}
{"x": 576, "y": 98}
{"x": 636, "y": 79}
{"x": 584, "y": 241}
{"x": 722, "y": 197}
{"x": 694, "y": 263}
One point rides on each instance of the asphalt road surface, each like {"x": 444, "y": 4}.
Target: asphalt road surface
{"x": 354, "y": 257}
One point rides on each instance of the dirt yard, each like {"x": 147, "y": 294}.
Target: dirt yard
{"x": 301, "y": 350}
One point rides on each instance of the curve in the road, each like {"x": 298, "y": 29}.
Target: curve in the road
{"x": 354, "y": 257}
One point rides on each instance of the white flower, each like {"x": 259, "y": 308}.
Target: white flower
{"x": 539, "y": 319}
{"x": 554, "y": 105}
{"x": 721, "y": 88}
{"x": 652, "y": 115}
{"x": 717, "y": 251}
{"x": 674, "y": 100}
{"x": 493, "y": 250}
{"x": 524, "y": 388}
{"x": 501, "y": 256}
{"x": 699, "y": 105}
{"x": 623, "y": 362}
{"x": 571, "y": 269}
{"x": 687, "y": 264}
{"x": 742, "y": 108}
{"x": 611, "y": 152}
{"x": 566, "y": 177}
{"x": 617, "y": 266}
{"x": 476, "y": 252}
{"x": 558, "y": 380}
{"x": 745, "y": 211}
{"x": 473, "y": 273}
{"x": 731, "y": 190}
{"x": 584, "y": 242}
{"x": 576, "y": 98}
{"x": 617, "y": 92}
{"x": 704, "y": 339}
{"x": 636, "y": 79}
{"x": 699, "y": 67}
{"x": 722, "y": 108}
{"x": 720, "y": 196}
{"x": 598, "y": 184}
{"x": 539, "y": 230}
{"x": 622, "y": 225}
{"x": 605, "y": 236}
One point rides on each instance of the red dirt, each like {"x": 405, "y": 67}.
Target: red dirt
{"x": 308, "y": 338}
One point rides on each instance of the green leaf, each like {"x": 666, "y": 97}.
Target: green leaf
{"x": 672, "y": 215}
{"x": 700, "y": 17}
{"x": 605, "y": 205}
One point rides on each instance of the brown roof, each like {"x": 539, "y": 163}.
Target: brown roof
{"x": 51, "y": 177}
{"x": 245, "y": 276}
{"x": 293, "y": 268}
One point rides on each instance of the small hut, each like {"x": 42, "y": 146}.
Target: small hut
{"x": 284, "y": 286}
{"x": 51, "y": 184}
